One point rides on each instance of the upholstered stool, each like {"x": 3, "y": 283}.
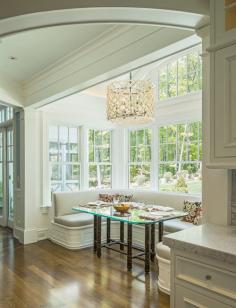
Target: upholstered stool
{"x": 163, "y": 259}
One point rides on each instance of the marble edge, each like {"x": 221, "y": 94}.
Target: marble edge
{"x": 199, "y": 250}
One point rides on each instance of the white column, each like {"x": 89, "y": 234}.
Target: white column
{"x": 31, "y": 222}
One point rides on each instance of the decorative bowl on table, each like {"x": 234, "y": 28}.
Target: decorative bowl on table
{"x": 121, "y": 208}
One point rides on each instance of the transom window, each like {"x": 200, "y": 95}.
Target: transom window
{"x": 140, "y": 155}
{"x": 180, "y": 156}
{"x": 64, "y": 158}
{"x": 181, "y": 76}
{"x": 100, "y": 167}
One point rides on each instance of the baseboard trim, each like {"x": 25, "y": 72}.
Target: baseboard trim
{"x": 25, "y": 236}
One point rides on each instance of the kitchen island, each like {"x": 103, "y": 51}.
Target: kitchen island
{"x": 203, "y": 266}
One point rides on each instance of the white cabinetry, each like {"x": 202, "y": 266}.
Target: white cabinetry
{"x": 186, "y": 298}
{"x": 223, "y": 84}
{"x": 200, "y": 282}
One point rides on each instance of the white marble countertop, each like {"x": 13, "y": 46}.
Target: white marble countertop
{"x": 209, "y": 240}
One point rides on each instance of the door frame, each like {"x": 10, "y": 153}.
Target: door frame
{"x": 4, "y": 219}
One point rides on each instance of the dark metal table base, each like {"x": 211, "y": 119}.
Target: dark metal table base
{"x": 148, "y": 252}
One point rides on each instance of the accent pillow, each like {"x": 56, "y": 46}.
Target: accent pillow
{"x": 124, "y": 198}
{"x": 194, "y": 210}
{"x": 106, "y": 197}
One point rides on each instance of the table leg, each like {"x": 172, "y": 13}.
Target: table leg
{"x": 153, "y": 242}
{"x": 160, "y": 224}
{"x": 108, "y": 230}
{"x": 95, "y": 234}
{"x": 99, "y": 231}
{"x": 147, "y": 248}
{"x": 129, "y": 248}
{"x": 122, "y": 235}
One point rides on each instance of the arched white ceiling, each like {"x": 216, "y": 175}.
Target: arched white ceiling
{"x": 115, "y": 53}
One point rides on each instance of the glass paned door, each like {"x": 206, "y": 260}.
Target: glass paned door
{"x": 9, "y": 172}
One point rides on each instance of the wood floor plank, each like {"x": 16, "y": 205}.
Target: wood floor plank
{"x": 45, "y": 275}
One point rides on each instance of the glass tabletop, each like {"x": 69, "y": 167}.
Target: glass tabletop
{"x": 135, "y": 216}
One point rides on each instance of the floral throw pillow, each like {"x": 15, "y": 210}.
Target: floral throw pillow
{"x": 194, "y": 210}
{"x": 124, "y": 198}
{"x": 106, "y": 197}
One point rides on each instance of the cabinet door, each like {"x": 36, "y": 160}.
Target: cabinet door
{"x": 223, "y": 22}
{"x": 186, "y": 298}
{"x": 223, "y": 109}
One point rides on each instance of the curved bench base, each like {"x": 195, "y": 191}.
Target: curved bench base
{"x": 75, "y": 238}
{"x": 164, "y": 275}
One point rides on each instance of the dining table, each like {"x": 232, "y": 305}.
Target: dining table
{"x": 147, "y": 216}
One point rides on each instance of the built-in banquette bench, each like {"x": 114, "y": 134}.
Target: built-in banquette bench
{"x": 75, "y": 230}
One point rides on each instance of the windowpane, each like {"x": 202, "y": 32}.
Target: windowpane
{"x": 163, "y": 84}
{"x": 133, "y": 138}
{"x": 99, "y": 159}
{"x": 172, "y": 79}
{"x": 63, "y": 134}
{"x": 181, "y": 172}
{"x": 139, "y": 176}
{"x": 56, "y": 173}
{"x": 140, "y": 158}
{"x": 133, "y": 157}
{"x": 98, "y": 137}
{"x": 64, "y": 158}
{"x": 180, "y": 77}
{"x": 73, "y": 172}
{"x": 148, "y": 137}
{"x": 99, "y": 176}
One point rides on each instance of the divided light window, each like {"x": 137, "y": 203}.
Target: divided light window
{"x": 140, "y": 158}
{"x": 181, "y": 76}
{"x": 100, "y": 166}
{"x": 180, "y": 158}
{"x": 64, "y": 158}
{"x": 6, "y": 113}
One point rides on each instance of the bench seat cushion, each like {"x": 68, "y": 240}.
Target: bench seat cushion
{"x": 163, "y": 251}
{"x": 175, "y": 225}
{"x": 74, "y": 220}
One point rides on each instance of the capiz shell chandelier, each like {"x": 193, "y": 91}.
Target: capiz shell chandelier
{"x": 130, "y": 102}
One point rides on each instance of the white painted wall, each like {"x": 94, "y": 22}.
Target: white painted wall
{"x": 10, "y": 91}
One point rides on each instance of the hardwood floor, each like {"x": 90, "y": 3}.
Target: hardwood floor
{"x": 46, "y": 275}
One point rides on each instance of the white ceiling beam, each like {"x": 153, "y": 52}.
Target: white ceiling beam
{"x": 13, "y": 8}
{"x": 191, "y": 14}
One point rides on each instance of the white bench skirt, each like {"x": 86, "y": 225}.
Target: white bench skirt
{"x": 163, "y": 259}
{"x": 75, "y": 238}
{"x": 163, "y": 281}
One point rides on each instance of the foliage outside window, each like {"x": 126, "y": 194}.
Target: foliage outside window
{"x": 64, "y": 158}
{"x": 140, "y": 158}
{"x": 181, "y": 76}
{"x": 100, "y": 167}
{"x": 180, "y": 158}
